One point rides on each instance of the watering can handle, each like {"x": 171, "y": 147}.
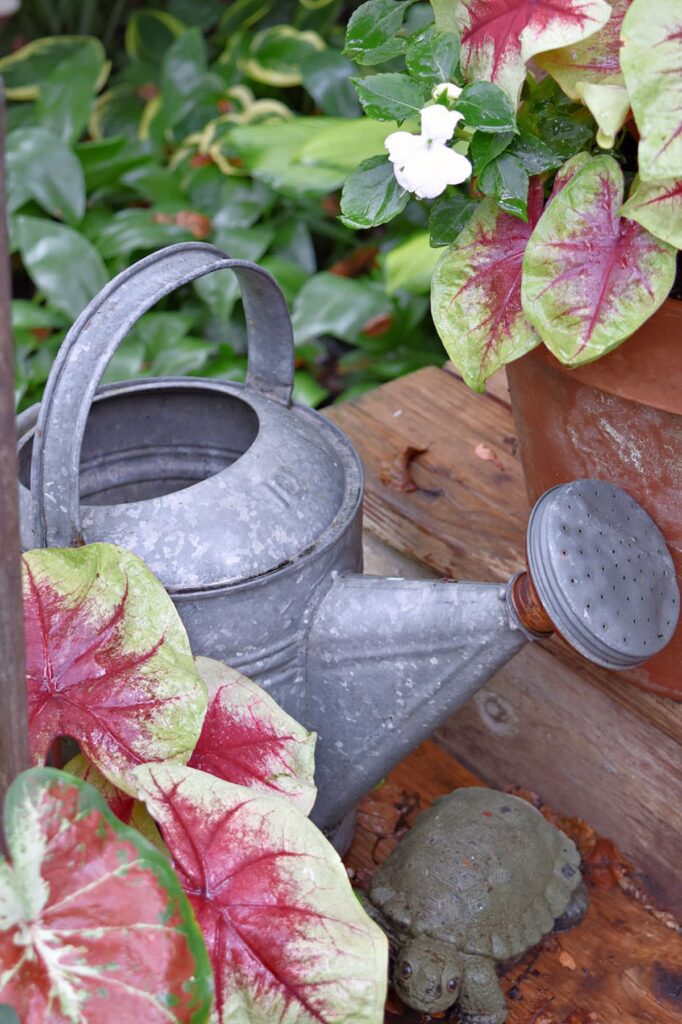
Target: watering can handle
{"x": 92, "y": 341}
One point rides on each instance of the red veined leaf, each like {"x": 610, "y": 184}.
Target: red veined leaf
{"x": 500, "y": 36}
{"x": 657, "y": 206}
{"x": 476, "y": 291}
{"x": 127, "y": 809}
{"x": 651, "y": 59}
{"x": 108, "y": 660}
{"x": 94, "y": 925}
{"x": 288, "y": 939}
{"x": 595, "y": 59}
{"x": 568, "y": 171}
{"x": 591, "y": 277}
{"x": 249, "y": 740}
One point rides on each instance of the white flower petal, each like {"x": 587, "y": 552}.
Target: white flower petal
{"x": 452, "y": 91}
{"x": 438, "y": 123}
{"x": 452, "y": 167}
{"x": 402, "y": 145}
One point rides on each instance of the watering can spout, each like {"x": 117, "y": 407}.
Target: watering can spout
{"x": 388, "y": 661}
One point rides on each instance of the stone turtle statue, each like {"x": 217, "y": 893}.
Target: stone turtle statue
{"x": 480, "y": 879}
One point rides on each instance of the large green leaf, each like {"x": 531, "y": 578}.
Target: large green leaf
{"x": 486, "y": 107}
{"x": 449, "y": 215}
{"x": 410, "y": 265}
{"x": 476, "y": 293}
{"x": 371, "y": 34}
{"x": 339, "y": 306}
{"x": 135, "y": 230}
{"x": 276, "y": 55}
{"x": 432, "y": 56}
{"x": 591, "y": 277}
{"x": 287, "y": 937}
{"x": 149, "y": 33}
{"x": 67, "y": 95}
{"x": 62, "y": 263}
{"x": 92, "y": 917}
{"x": 389, "y": 96}
{"x": 372, "y": 195}
{"x": 651, "y": 58}
{"x": 327, "y": 77}
{"x": 657, "y": 206}
{"x": 107, "y": 661}
{"x": 28, "y": 69}
{"x": 506, "y": 179}
{"x": 42, "y": 167}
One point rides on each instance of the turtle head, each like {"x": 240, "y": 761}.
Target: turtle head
{"x": 427, "y": 974}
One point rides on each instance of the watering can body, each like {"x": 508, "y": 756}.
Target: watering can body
{"x": 248, "y": 508}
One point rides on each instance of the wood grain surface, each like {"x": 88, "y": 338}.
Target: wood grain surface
{"x": 621, "y": 965}
{"x": 444, "y": 488}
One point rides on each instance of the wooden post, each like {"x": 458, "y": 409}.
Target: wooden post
{"x": 14, "y": 747}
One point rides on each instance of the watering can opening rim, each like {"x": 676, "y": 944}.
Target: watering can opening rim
{"x": 333, "y": 440}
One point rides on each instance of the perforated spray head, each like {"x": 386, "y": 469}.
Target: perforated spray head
{"x": 602, "y": 574}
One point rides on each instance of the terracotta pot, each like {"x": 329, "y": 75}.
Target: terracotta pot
{"x": 617, "y": 419}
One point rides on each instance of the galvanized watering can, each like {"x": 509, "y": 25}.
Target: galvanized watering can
{"x": 248, "y": 508}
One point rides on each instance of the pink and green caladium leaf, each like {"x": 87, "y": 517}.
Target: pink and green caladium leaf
{"x": 249, "y": 740}
{"x": 651, "y": 59}
{"x": 657, "y": 206}
{"x": 127, "y": 809}
{"x": 108, "y": 660}
{"x": 595, "y": 59}
{"x": 476, "y": 291}
{"x": 288, "y": 939}
{"x": 591, "y": 277}
{"x": 94, "y": 925}
{"x": 499, "y": 36}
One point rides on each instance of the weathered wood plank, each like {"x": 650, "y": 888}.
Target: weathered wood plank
{"x": 549, "y": 721}
{"x": 621, "y": 965}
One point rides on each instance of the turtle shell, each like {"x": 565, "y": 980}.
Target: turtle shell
{"x": 481, "y": 870}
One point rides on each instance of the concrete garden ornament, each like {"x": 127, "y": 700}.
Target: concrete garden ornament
{"x": 481, "y": 878}
{"x": 248, "y": 508}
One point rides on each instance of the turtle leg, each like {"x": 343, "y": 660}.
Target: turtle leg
{"x": 481, "y": 1000}
{"x": 575, "y": 911}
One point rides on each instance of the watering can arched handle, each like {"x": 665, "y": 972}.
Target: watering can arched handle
{"x": 92, "y": 341}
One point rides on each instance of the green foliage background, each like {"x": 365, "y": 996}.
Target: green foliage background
{"x": 133, "y": 127}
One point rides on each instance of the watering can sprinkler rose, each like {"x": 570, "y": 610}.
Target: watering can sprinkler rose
{"x": 248, "y": 507}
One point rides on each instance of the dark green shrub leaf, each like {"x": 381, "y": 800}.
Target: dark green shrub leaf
{"x": 372, "y": 195}
{"x": 25, "y": 71}
{"x": 487, "y": 107}
{"x": 62, "y": 263}
{"x": 535, "y": 155}
{"x": 370, "y": 36}
{"x": 507, "y": 180}
{"x": 42, "y": 167}
{"x": 67, "y": 96}
{"x": 134, "y": 230}
{"x": 432, "y": 56}
{"x": 340, "y": 306}
{"x": 327, "y": 77}
{"x": 104, "y": 161}
{"x": 449, "y": 215}
{"x": 485, "y": 147}
{"x": 149, "y": 33}
{"x": 389, "y": 96}
{"x": 276, "y": 54}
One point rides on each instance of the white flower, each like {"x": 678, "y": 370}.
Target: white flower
{"x": 423, "y": 164}
{"x": 452, "y": 91}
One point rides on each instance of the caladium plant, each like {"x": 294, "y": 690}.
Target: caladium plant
{"x": 287, "y": 939}
{"x": 108, "y": 661}
{"x": 93, "y": 921}
{"x": 606, "y": 76}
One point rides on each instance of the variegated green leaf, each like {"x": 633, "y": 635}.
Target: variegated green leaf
{"x": 651, "y": 59}
{"x": 591, "y": 277}
{"x": 657, "y": 206}
{"x": 476, "y": 292}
